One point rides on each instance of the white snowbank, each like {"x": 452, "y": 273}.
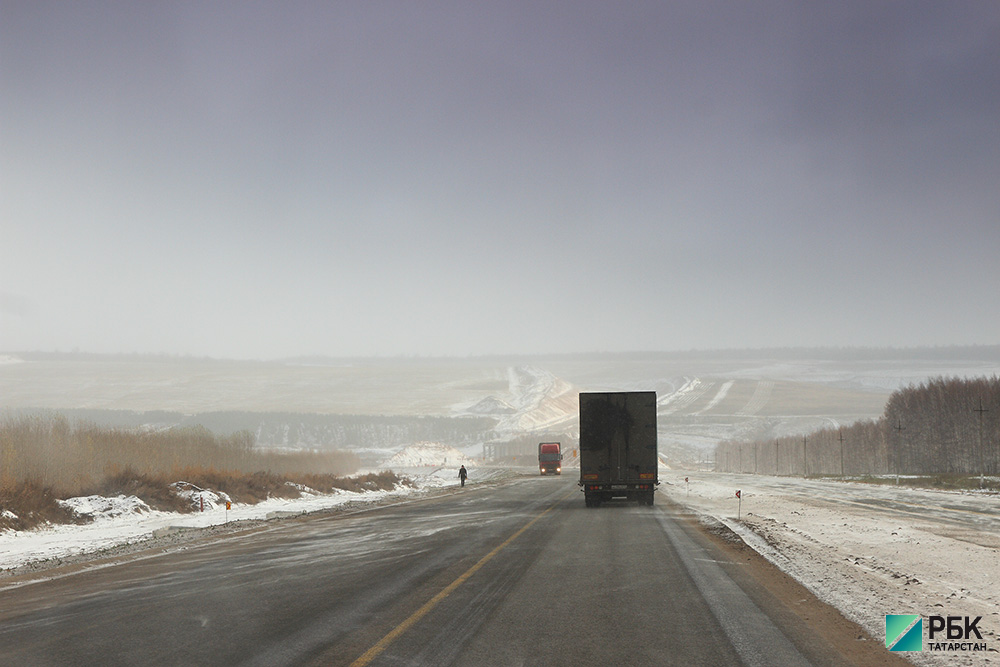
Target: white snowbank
{"x": 101, "y": 507}
{"x": 203, "y": 499}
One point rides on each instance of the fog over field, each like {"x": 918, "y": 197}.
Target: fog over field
{"x": 378, "y": 406}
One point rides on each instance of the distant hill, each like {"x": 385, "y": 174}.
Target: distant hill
{"x": 384, "y": 404}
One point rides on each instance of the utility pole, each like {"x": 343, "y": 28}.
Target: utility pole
{"x": 841, "y": 452}
{"x": 982, "y": 453}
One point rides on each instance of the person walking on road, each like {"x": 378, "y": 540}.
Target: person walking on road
{"x": 462, "y": 474}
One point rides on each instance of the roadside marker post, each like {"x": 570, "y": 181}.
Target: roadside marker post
{"x": 739, "y": 506}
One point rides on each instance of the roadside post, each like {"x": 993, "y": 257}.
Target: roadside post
{"x": 739, "y": 506}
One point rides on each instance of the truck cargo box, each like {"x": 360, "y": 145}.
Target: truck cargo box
{"x": 618, "y": 446}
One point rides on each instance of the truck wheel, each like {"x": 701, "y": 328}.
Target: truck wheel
{"x": 649, "y": 498}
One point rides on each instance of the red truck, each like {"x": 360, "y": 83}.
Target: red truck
{"x": 549, "y": 458}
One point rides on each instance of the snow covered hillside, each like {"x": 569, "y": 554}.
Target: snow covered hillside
{"x": 535, "y": 401}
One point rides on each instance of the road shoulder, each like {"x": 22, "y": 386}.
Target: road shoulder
{"x": 818, "y": 630}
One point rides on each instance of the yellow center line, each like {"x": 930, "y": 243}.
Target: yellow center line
{"x": 383, "y": 643}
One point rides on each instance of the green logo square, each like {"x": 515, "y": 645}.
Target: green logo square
{"x": 904, "y": 632}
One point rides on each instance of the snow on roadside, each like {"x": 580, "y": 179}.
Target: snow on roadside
{"x": 126, "y": 520}
{"x": 867, "y": 550}
{"x": 101, "y": 507}
{"x": 204, "y": 499}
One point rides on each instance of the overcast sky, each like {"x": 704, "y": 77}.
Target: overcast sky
{"x": 263, "y": 180}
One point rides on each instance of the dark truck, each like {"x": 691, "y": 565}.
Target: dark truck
{"x": 549, "y": 458}
{"x": 618, "y": 446}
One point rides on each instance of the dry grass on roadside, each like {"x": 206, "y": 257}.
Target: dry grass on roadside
{"x": 28, "y": 504}
{"x": 69, "y": 459}
{"x": 44, "y": 459}
{"x": 385, "y": 480}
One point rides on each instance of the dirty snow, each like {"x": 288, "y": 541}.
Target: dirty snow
{"x": 868, "y": 550}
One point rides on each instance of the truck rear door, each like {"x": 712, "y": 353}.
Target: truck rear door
{"x": 642, "y": 462}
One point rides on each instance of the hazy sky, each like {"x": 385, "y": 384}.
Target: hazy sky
{"x": 262, "y": 180}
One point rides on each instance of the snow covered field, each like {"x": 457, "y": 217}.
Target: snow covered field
{"x": 867, "y": 550}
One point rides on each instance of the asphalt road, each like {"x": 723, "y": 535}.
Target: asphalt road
{"x": 515, "y": 574}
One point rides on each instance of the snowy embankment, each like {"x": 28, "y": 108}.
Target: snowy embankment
{"x": 126, "y": 520}
{"x": 867, "y": 550}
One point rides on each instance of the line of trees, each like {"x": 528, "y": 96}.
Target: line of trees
{"x": 944, "y": 425}
{"x": 291, "y": 429}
